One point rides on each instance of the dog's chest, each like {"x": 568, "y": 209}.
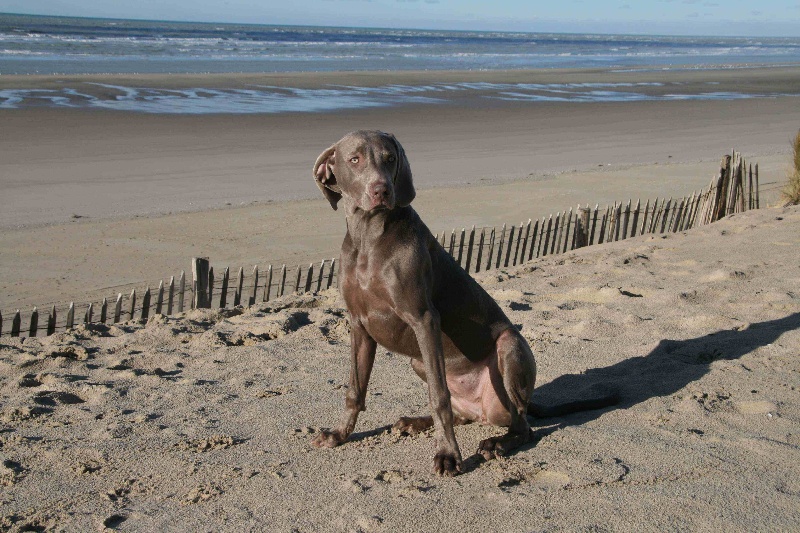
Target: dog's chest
{"x": 370, "y": 303}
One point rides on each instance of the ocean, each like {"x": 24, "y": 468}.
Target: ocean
{"x": 69, "y": 46}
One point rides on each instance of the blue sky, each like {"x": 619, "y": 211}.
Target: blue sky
{"x": 706, "y": 17}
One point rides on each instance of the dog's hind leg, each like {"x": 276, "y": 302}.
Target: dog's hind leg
{"x": 411, "y": 425}
{"x": 517, "y": 370}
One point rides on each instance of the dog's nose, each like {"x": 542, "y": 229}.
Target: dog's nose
{"x": 378, "y": 191}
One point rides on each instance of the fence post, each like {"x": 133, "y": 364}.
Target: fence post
{"x": 51, "y": 321}
{"x": 70, "y": 316}
{"x": 451, "y": 250}
{"x": 255, "y": 286}
{"x": 644, "y": 218}
{"x": 268, "y": 284}
{"x": 170, "y": 294}
{"x": 223, "y": 296}
{"x": 469, "y": 248}
{"x": 602, "y": 230}
{"x": 509, "y": 246}
{"x": 758, "y": 198}
{"x": 525, "y": 242}
{"x": 666, "y": 215}
{"x": 582, "y": 231}
{"x": 491, "y": 249}
{"x": 297, "y": 280}
{"x": 331, "y": 273}
{"x": 533, "y": 240}
{"x": 563, "y": 249}
{"x": 460, "y": 246}
{"x": 181, "y": 290}
{"x": 16, "y": 322}
{"x": 210, "y": 286}
{"x": 309, "y": 275}
{"x": 654, "y": 219}
{"x": 237, "y": 296}
{"x": 626, "y": 220}
{"x": 145, "y": 305}
{"x": 321, "y": 273}
{"x": 133, "y": 304}
{"x": 617, "y": 222}
{"x": 200, "y": 267}
{"x": 159, "y": 301}
{"x": 546, "y": 237}
{"x": 480, "y": 251}
{"x": 500, "y": 246}
{"x": 34, "y": 322}
{"x": 118, "y": 308}
{"x": 104, "y": 311}
{"x": 519, "y": 241}
{"x": 678, "y": 214}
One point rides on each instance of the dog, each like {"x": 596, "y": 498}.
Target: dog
{"x": 406, "y": 293}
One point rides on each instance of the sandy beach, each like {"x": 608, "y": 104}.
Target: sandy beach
{"x": 203, "y": 421}
{"x": 95, "y": 202}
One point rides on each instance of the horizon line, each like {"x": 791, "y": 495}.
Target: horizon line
{"x": 531, "y": 32}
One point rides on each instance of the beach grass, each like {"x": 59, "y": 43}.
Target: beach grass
{"x": 791, "y": 191}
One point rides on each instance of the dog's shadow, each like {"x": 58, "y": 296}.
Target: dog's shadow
{"x": 667, "y": 369}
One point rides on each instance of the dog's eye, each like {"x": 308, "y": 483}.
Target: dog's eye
{"x": 391, "y": 159}
{"x": 354, "y": 160}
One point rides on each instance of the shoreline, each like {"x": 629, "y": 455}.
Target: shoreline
{"x": 742, "y": 75}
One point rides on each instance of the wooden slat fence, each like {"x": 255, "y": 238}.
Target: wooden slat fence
{"x": 734, "y": 189}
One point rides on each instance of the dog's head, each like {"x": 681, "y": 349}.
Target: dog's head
{"x": 369, "y": 169}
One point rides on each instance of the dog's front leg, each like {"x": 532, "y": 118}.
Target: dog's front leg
{"x": 427, "y": 328}
{"x": 362, "y": 356}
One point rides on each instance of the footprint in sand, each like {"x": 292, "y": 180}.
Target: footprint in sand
{"x": 550, "y": 479}
{"x": 755, "y": 407}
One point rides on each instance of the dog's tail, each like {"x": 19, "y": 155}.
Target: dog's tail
{"x": 567, "y": 408}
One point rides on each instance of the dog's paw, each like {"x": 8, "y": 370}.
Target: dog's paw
{"x": 447, "y": 464}
{"x": 491, "y": 448}
{"x": 495, "y": 447}
{"x": 328, "y": 439}
{"x": 408, "y": 425}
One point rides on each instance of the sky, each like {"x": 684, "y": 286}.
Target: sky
{"x": 696, "y": 17}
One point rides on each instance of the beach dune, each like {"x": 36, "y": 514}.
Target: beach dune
{"x": 204, "y": 420}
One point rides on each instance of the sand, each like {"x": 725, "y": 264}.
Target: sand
{"x": 97, "y": 202}
{"x": 203, "y": 421}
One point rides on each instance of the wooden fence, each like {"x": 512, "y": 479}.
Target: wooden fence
{"x": 732, "y": 190}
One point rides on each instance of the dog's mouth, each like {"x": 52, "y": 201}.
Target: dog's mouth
{"x": 381, "y": 204}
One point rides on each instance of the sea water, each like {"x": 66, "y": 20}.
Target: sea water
{"x": 62, "y": 45}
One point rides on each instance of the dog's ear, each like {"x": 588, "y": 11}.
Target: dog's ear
{"x": 324, "y": 177}
{"x": 404, "y": 191}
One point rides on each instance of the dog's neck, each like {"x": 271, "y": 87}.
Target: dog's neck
{"x": 365, "y": 227}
